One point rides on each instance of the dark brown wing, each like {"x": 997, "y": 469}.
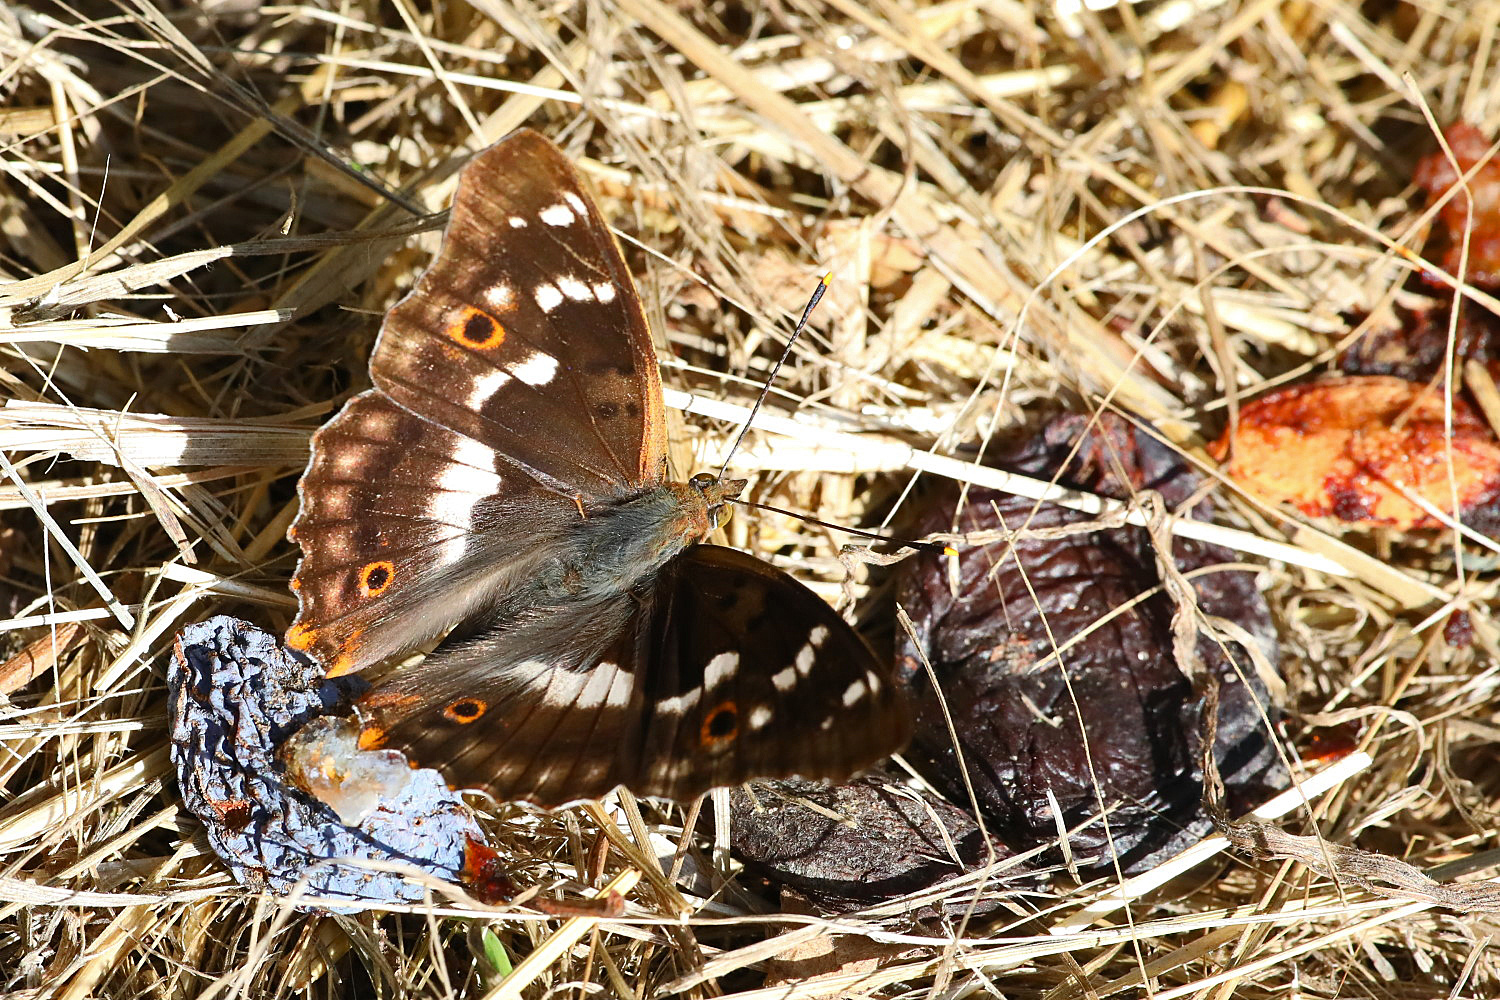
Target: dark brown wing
{"x": 755, "y": 676}
{"x": 516, "y": 387}
{"x": 729, "y": 670}
{"x": 526, "y": 333}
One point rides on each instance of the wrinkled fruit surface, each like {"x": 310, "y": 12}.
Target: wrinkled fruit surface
{"x": 1370, "y": 450}
{"x": 1437, "y": 175}
{"x": 1062, "y": 686}
{"x": 1417, "y": 346}
{"x": 234, "y": 696}
{"x": 864, "y": 842}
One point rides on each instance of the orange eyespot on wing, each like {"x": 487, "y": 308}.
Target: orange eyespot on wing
{"x": 720, "y": 725}
{"x": 477, "y": 329}
{"x": 464, "y": 710}
{"x": 375, "y": 577}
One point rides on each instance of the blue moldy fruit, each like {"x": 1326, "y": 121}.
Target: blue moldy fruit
{"x": 235, "y": 695}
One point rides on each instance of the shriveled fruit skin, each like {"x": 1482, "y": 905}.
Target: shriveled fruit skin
{"x": 865, "y": 842}
{"x": 1457, "y": 223}
{"x": 1370, "y": 450}
{"x": 1419, "y": 345}
{"x": 1110, "y": 723}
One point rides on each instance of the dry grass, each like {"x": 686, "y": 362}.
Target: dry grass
{"x": 1161, "y": 209}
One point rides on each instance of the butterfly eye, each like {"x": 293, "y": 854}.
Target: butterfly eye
{"x": 703, "y": 481}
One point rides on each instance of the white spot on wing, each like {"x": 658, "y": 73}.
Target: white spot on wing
{"x": 678, "y": 704}
{"x": 574, "y": 289}
{"x": 577, "y": 203}
{"x": 517, "y": 222}
{"x": 818, "y": 636}
{"x": 455, "y": 507}
{"x": 806, "y": 656}
{"x": 537, "y": 368}
{"x": 853, "y": 693}
{"x": 548, "y": 296}
{"x": 351, "y": 459}
{"x": 620, "y": 686}
{"x": 500, "y": 296}
{"x": 785, "y": 679}
{"x": 604, "y": 291}
{"x": 378, "y": 424}
{"x": 486, "y": 386}
{"x": 560, "y": 688}
{"x": 597, "y": 689}
{"x": 720, "y": 668}
{"x": 462, "y": 482}
{"x": 558, "y": 215}
{"x": 335, "y": 502}
{"x": 759, "y": 716}
{"x": 467, "y": 451}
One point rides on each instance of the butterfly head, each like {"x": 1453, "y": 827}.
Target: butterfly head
{"x": 716, "y": 495}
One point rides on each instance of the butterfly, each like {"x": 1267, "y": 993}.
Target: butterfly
{"x": 505, "y": 482}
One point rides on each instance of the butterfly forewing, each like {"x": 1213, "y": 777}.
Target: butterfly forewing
{"x": 526, "y": 334}
{"x": 515, "y": 387}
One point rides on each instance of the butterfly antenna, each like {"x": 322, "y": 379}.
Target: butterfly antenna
{"x": 812, "y": 303}
{"x": 901, "y": 543}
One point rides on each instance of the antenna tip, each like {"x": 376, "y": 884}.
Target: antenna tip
{"x": 949, "y": 551}
{"x": 827, "y": 279}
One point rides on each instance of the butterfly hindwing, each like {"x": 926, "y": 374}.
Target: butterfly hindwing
{"x": 754, "y": 675}
{"x": 726, "y": 669}
{"x": 526, "y": 333}
{"x": 550, "y": 722}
